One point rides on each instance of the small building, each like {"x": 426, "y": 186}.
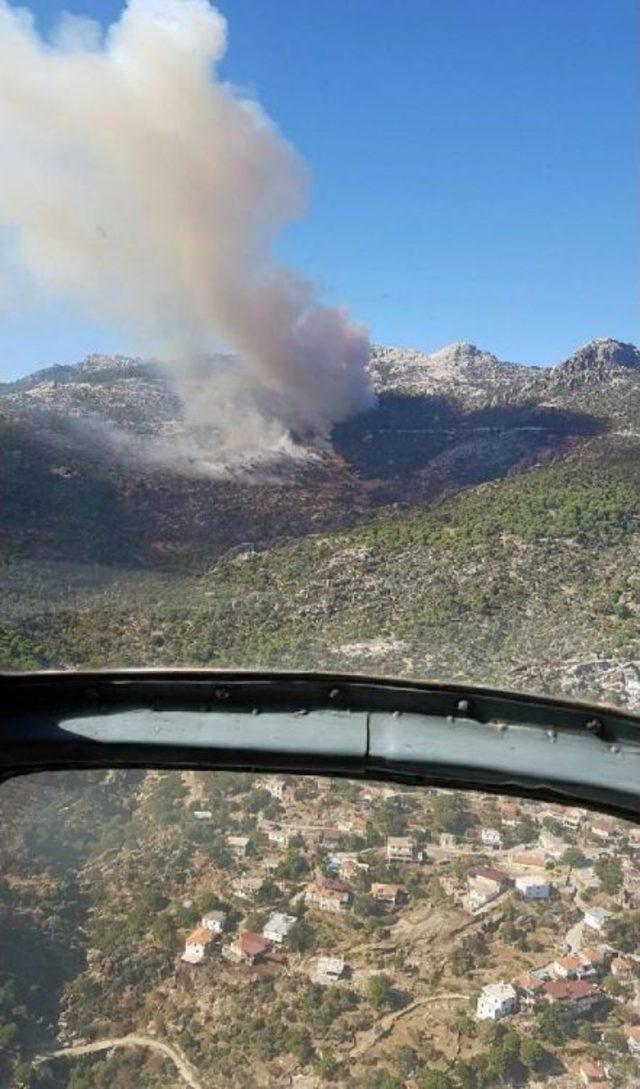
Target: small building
{"x": 348, "y": 866}
{"x": 387, "y": 895}
{"x": 213, "y": 921}
{"x": 277, "y": 927}
{"x": 491, "y": 837}
{"x": 578, "y": 993}
{"x": 402, "y": 849}
{"x": 572, "y": 817}
{"x": 485, "y": 884}
{"x": 496, "y": 1000}
{"x": 495, "y": 880}
{"x": 604, "y": 827}
{"x": 596, "y": 918}
{"x": 447, "y": 840}
{"x": 632, "y": 1035}
{"x": 529, "y": 987}
{"x": 329, "y": 970}
{"x": 202, "y": 814}
{"x": 195, "y": 945}
{"x": 327, "y": 894}
{"x": 281, "y": 836}
{"x": 533, "y": 887}
{"x": 248, "y": 948}
{"x": 593, "y": 960}
{"x": 567, "y": 967}
{"x": 238, "y": 845}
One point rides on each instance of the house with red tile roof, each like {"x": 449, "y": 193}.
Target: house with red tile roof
{"x": 579, "y": 993}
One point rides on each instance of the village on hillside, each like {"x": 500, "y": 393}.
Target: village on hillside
{"x": 426, "y": 939}
{"x": 308, "y": 932}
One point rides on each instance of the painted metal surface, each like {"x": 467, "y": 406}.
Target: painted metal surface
{"x": 443, "y": 735}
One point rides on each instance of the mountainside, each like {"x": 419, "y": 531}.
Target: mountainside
{"x": 480, "y": 521}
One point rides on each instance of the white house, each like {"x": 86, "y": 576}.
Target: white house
{"x": 196, "y": 944}
{"x": 568, "y": 967}
{"x": 496, "y": 1000}
{"x": 596, "y": 918}
{"x": 281, "y": 836}
{"x": 213, "y": 921}
{"x": 277, "y": 927}
{"x": 533, "y": 887}
{"x": 491, "y": 837}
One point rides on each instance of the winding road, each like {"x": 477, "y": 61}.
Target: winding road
{"x": 187, "y": 1072}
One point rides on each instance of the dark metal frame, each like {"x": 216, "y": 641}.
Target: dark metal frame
{"x": 353, "y": 726}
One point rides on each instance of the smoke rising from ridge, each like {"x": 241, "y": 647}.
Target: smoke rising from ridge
{"x": 140, "y": 188}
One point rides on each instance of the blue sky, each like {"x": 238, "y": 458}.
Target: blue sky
{"x": 473, "y": 166}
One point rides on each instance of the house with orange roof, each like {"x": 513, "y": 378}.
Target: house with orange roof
{"x": 195, "y": 945}
{"x": 566, "y": 967}
{"x": 387, "y": 895}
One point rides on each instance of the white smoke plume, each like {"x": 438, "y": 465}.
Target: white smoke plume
{"x": 137, "y": 186}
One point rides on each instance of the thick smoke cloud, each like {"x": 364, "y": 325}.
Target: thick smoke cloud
{"x": 136, "y": 185}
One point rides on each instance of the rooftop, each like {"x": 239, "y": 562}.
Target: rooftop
{"x": 492, "y": 873}
{"x": 252, "y": 945}
{"x": 199, "y": 936}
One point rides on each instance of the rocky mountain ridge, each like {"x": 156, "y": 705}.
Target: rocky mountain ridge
{"x": 111, "y": 385}
{"x": 470, "y": 525}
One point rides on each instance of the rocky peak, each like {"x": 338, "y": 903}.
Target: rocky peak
{"x": 461, "y": 356}
{"x": 599, "y": 358}
{"x": 94, "y": 368}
